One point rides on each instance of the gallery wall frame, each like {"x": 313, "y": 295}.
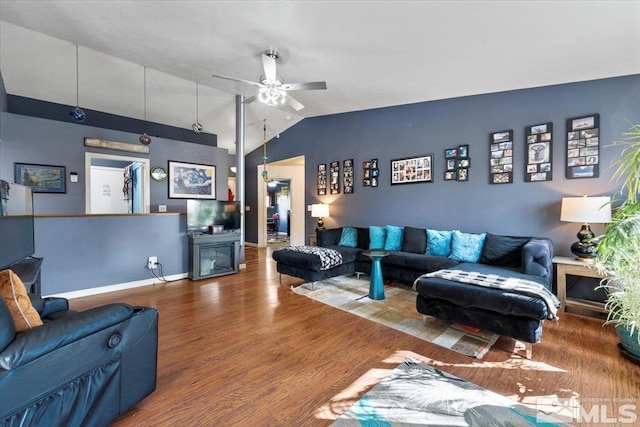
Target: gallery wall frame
{"x": 191, "y": 181}
{"x": 583, "y": 147}
{"x": 501, "y": 157}
{"x": 334, "y": 177}
{"x": 347, "y": 176}
{"x": 457, "y": 163}
{"x": 539, "y": 154}
{"x": 370, "y": 173}
{"x": 322, "y": 179}
{"x": 41, "y": 178}
{"x": 410, "y": 170}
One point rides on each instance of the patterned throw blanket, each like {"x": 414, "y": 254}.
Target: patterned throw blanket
{"x": 522, "y": 286}
{"x": 329, "y": 258}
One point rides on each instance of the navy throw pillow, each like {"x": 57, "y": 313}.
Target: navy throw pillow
{"x": 414, "y": 240}
{"x": 505, "y": 251}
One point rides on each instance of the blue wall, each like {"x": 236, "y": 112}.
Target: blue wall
{"x": 34, "y": 140}
{"x": 83, "y": 252}
{"x": 519, "y": 208}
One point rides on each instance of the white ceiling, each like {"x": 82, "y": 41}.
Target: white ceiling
{"x": 371, "y": 54}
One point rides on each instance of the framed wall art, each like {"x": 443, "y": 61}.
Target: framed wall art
{"x": 371, "y": 173}
{"x": 501, "y": 157}
{"x": 191, "y": 181}
{"x": 583, "y": 147}
{"x": 41, "y": 178}
{"x": 334, "y": 177}
{"x": 457, "y": 163}
{"x": 539, "y": 146}
{"x": 412, "y": 169}
{"x": 322, "y": 179}
{"x": 347, "y": 176}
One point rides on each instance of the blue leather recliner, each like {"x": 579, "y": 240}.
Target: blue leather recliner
{"x": 79, "y": 368}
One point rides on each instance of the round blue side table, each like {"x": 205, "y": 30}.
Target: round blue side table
{"x": 376, "y": 287}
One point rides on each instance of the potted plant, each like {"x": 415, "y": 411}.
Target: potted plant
{"x": 618, "y": 249}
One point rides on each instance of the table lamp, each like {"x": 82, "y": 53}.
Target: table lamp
{"x": 585, "y": 210}
{"x": 319, "y": 210}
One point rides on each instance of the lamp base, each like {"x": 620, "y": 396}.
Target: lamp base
{"x": 320, "y": 225}
{"x": 584, "y": 251}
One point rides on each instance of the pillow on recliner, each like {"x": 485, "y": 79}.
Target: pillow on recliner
{"x": 14, "y": 294}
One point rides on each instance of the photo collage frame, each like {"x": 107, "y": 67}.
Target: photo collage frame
{"x": 347, "y": 176}
{"x": 334, "y": 177}
{"x": 583, "y": 147}
{"x": 457, "y": 163}
{"x": 501, "y": 157}
{"x": 412, "y": 169}
{"x": 370, "y": 173}
{"x": 539, "y": 145}
{"x": 322, "y": 179}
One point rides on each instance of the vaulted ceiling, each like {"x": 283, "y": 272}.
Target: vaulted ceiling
{"x": 371, "y": 54}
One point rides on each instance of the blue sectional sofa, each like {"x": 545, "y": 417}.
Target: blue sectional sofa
{"x": 415, "y": 251}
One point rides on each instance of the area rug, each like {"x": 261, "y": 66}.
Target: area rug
{"x": 415, "y": 394}
{"x": 398, "y": 311}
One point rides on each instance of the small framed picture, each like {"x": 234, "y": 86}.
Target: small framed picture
{"x": 539, "y": 148}
{"x": 41, "y": 178}
{"x": 450, "y": 175}
{"x": 463, "y": 174}
{"x": 463, "y": 151}
{"x": 451, "y": 153}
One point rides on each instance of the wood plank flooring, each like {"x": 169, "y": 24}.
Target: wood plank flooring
{"x": 244, "y": 350}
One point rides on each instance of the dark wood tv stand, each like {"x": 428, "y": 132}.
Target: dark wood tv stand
{"x": 28, "y": 270}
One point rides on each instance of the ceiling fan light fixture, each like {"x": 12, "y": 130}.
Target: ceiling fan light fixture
{"x": 272, "y": 95}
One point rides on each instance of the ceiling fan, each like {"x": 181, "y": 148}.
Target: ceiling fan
{"x": 271, "y": 89}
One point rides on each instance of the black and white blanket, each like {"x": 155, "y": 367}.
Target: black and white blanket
{"x": 329, "y": 258}
{"x": 514, "y": 284}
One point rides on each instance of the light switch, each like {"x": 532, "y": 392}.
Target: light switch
{"x": 73, "y": 177}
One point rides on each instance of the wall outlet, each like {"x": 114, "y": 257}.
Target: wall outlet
{"x": 162, "y": 208}
{"x": 152, "y": 263}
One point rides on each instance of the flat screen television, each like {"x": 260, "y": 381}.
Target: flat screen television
{"x": 204, "y": 213}
{"x": 16, "y": 223}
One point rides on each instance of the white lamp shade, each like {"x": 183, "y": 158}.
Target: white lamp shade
{"x": 586, "y": 209}
{"x": 319, "y": 210}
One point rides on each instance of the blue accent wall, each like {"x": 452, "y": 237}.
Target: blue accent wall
{"x": 520, "y": 208}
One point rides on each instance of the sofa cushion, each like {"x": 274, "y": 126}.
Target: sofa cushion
{"x": 15, "y": 296}
{"x": 329, "y": 236}
{"x": 363, "y": 237}
{"x": 349, "y": 237}
{"x": 438, "y": 242}
{"x": 466, "y": 247}
{"x": 377, "y": 237}
{"x": 498, "y": 300}
{"x": 503, "y": 250}
{"x": 393, "y": 241}
{"x": 414, "y": 240}
{"x": 417, "y": 262}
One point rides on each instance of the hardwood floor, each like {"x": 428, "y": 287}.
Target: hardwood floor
{"x": 244, "y": 350}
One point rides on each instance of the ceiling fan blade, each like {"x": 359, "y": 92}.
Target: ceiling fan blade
{"x": 250, "y": 99}
{"x": 293, "y": 103}
{"x": 249, "y": 82}
{"x": 269, "y": 64}
{"x": 305, "y": 86}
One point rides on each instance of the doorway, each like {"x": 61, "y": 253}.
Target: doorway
{"x": 116, "y": 184}
{"x": 278, "y": 218}
{"x": 291, "y": 170}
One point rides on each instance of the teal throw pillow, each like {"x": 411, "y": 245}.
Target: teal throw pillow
{"x": 349, "y": 237}
{"x": 377, "y": 237}
{"x": 394, "y": 238}
{"x": 466, "y": 247}
{"x": 438, "y": 242}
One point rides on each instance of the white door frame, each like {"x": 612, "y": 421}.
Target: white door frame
{"x": 295, "y": 174}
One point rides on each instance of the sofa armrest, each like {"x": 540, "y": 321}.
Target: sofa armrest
{"x": 30, "y": 345}
{"x": 537, "y": 255}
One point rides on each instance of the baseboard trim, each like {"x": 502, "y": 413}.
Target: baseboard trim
{"x": 117, "y": 287}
